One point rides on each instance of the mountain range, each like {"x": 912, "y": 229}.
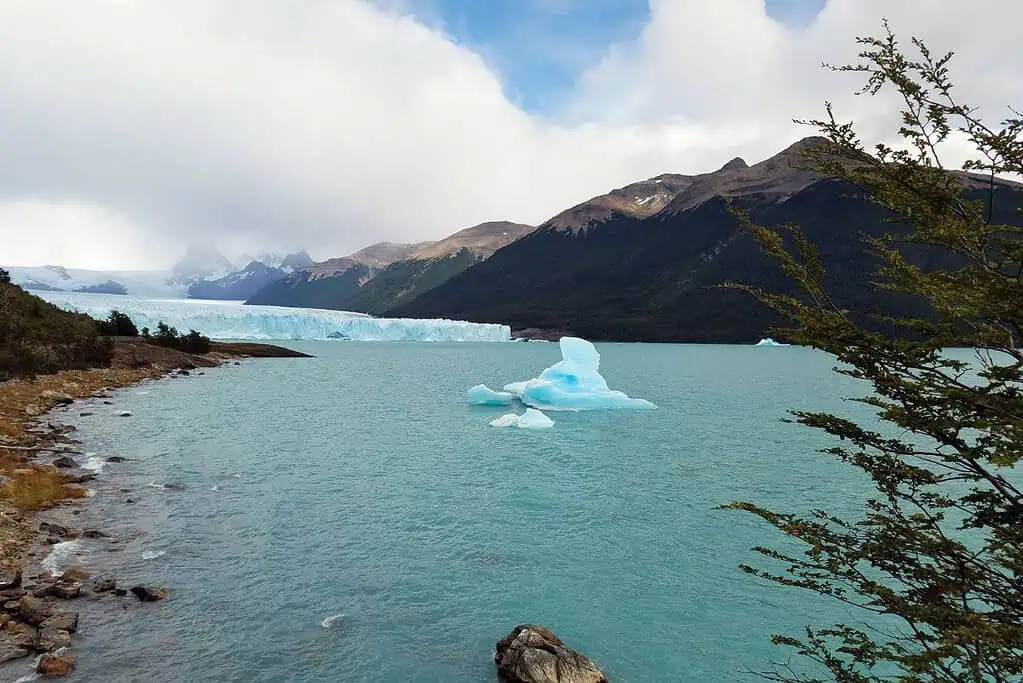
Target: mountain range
{"x": 642, "y": 262}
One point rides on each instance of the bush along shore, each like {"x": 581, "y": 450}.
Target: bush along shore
{"x": 49, "y": 360}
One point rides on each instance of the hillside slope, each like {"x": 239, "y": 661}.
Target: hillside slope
{"x": 655, "y": 278}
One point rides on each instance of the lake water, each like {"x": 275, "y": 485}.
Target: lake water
{"x": 360, "y": 483}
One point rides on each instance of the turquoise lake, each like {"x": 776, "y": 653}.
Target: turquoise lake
{"x": 360, "y": 483}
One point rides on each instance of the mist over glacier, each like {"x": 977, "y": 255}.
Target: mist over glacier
{"x": 233, "y": 320}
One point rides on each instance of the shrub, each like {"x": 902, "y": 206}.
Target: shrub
{"x": 37, "y": 337}
{"x": 167, "y": 336}
{"x": 117, "y": 325}
{"x": 5, "y": 277}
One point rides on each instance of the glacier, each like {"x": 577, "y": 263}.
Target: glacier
{"x": 574, "y": 383}
{"x": 140, "y": 283}
{"x": 234, "y": 320}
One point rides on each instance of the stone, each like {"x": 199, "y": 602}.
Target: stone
{"x": 10, "y": 650}
{"x": 50, "y": 639}
{"x": 108, "y": 403}
{"x": 55, "y": 529}
{"x": 93, "y": 533}
{"x": 33, "y": 610}
{"x": 117, "y": 458}
{"x": 149, "y": 593}
{"x": 57, "y": 397}
{"x": 86, "y": 414}
{"x": 56, "y": 665}
{"x": 65, "y": 462}
{"x": 64, "y": 622}
{"x": 173, "y": 486}
{"x": 103, "y": 584}
{"x": 12, "y": 594}
{"x": 124, "y": 413}
{"x": 129, "y": 501}
{"x": 22, "y": 635}
{"x": 533, "y": 654}
{"x": 33, "y": 410}
{"x": 67, "y": 591}
{"x": 82, "y": 478}
{"x": 74, "y": 574}
{"x": 12, "y": 606}
{"x": 10, "y": 578}
{"x": 120, "y": 592}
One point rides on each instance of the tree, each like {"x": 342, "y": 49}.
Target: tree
{"x": 938, "y": 553}
{"x": 117, "y": 324}
{"x": 5, "y": 277}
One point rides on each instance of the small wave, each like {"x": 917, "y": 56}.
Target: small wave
{"x": 237, "y": 475}
{"x": 59, "y": 554}
{"x": 141, "y": 393}
{"x": 153, "y": 554}
{"x": 93, "y": 463}
{"x": 215, "y": 488}
{"x": 156, "y": 485}
{"x": 332, "y": 621}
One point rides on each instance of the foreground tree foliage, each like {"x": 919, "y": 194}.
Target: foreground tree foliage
{"x": 938, "y": 555}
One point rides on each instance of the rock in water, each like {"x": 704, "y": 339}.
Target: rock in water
{"x": 54, "y": 665}
{"x": 150, "y": 593}
{"x": 533, "y": 654}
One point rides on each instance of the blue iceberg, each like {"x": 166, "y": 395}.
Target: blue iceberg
{"x": 482, "y": 395}
{"x": 575, "y": 383}
{"x": 531, "y": 419}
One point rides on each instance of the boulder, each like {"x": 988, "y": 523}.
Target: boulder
{"x": 54, "y": 529}
{"x": 85, "y": 414}
{"x": 52, "y": 639}
{"x": 65, "y": 462}
{"x": 11, "y": 650}
{"x": 64, "y": 622}
{"x": 33, "y": 610}
{"x": 93, "y": 533}
{"x": 116, "y": 458}
{"x": 33, "y": 410}
{"x": 150, "y": 593}
{"x": 54, "y": 665}
{"x": 9, "y": 579}
{"x": 21, "y": 635}
{"x": 57, "y": 397}
{"x": 533, "y": 654}
{"x": 83, "y": 478}
{"x": 103, "y": 584}
{"x": 67, "y": 591}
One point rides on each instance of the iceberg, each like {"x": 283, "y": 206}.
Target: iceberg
{"x": 575, "y": 383}
{"x": 234, "y": 320}
{"x": 531, "y": 419}
{"x": 482, "y": 395}
{"x": 769, "y": 342}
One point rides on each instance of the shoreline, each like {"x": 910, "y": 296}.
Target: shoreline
{"x": 44, "y": 486}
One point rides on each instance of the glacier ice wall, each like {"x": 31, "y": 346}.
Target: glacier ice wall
{"x": 233, "y": 320}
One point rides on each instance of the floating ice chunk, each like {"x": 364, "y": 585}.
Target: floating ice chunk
{"x": 515, "y": 388}
{"x": 531, "y": 419}
{"x": 575, "y": 383}
{"x": 769, "y": 342}
{"x": 534, "y": 419}
{"x": 482, "y": 395}
{"x": 509, "y": 420}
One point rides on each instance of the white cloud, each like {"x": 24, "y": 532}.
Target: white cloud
{"x": 132, "y": 128}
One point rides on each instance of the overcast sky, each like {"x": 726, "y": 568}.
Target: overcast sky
{"x": 131, "y": 128}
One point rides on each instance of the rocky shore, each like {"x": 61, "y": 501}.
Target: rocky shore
{"x": 42, "y": 485}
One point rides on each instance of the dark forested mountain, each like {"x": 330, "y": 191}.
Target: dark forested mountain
{"x": 606, "y": 274}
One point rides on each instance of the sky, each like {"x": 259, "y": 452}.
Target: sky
{"x": 131, "y": 129}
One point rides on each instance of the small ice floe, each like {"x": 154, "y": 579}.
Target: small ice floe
{"x": 333, "y": 621}
{"x": 152, "y": 554}
{"x": 767, "y": 341}
{"x": 60, "y": 555}
{"x": 531, "y": 419}
{"x": 215, "y": 488}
